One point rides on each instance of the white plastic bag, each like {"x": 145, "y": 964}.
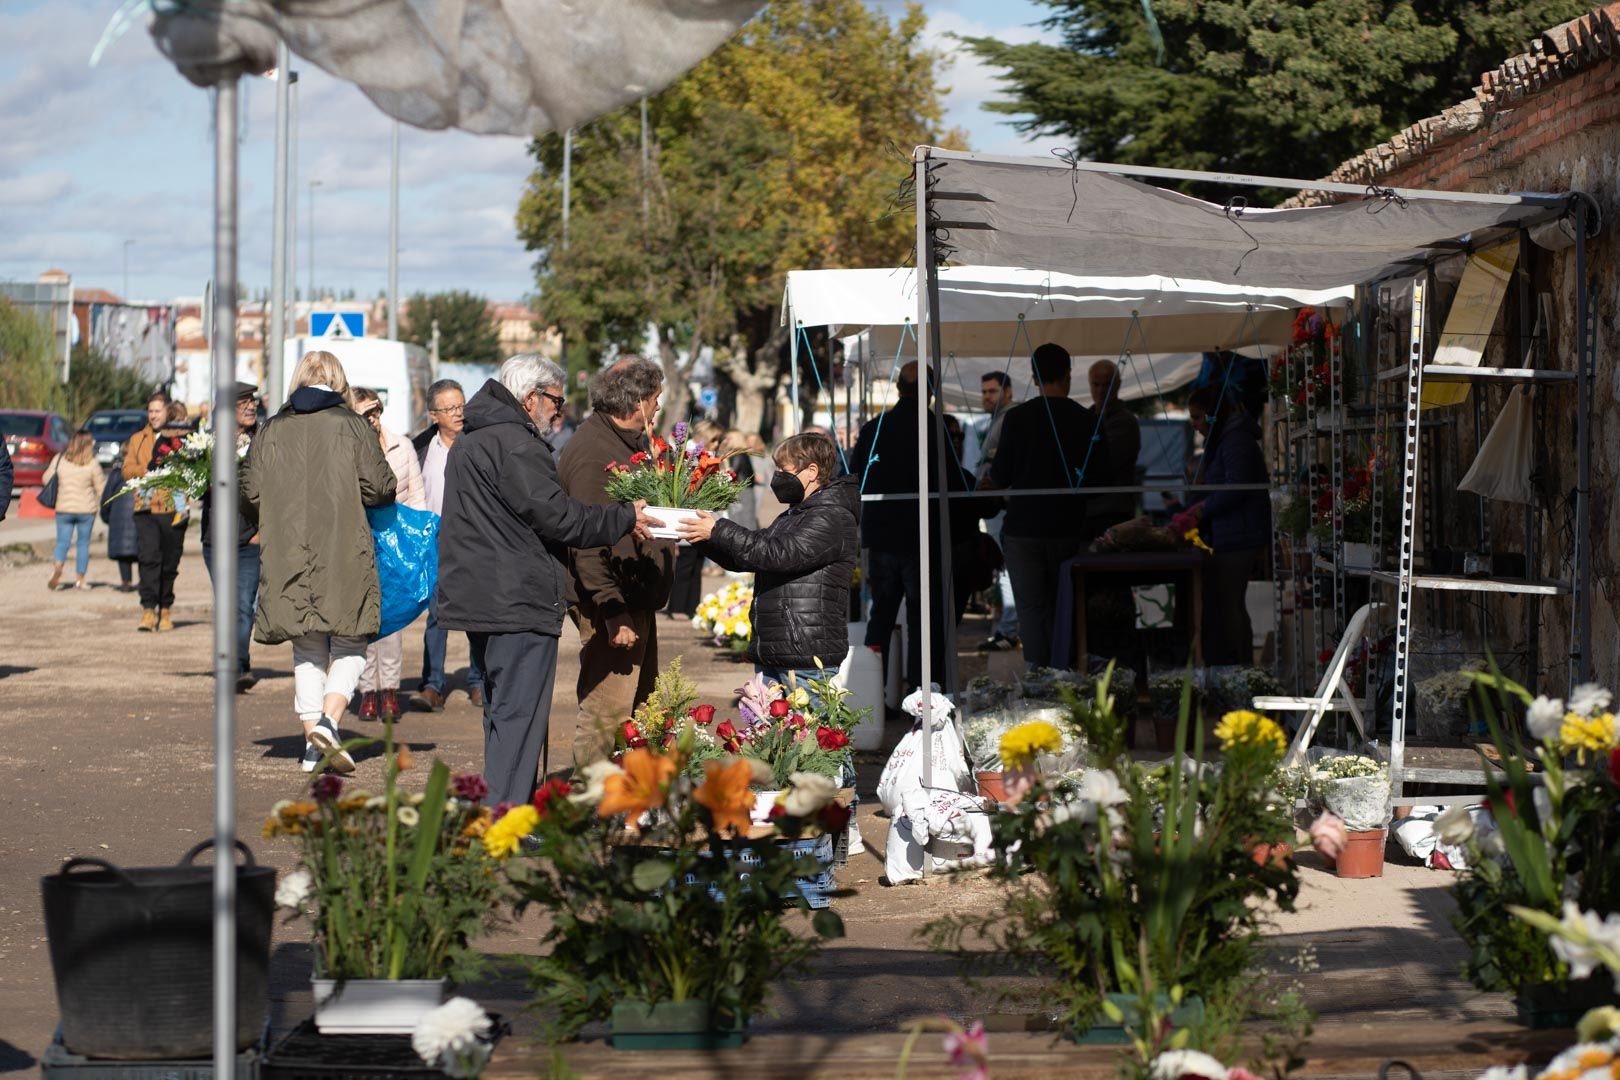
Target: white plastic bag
{"x": 949, "y": 818}
{"x": 903, "y": 771}
{"x": 1501, "y": 470}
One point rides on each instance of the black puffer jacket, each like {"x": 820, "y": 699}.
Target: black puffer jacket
{"x": 803, "y": 563}
{"x": 507, "y": 526}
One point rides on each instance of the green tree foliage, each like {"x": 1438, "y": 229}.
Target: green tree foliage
{"x": 95, "y": 381}
{"x": 467, "y": 335}
{"x": 1280, "y": 89}
{"x": 27, "y": 359}
{"x": 781, "y": 151}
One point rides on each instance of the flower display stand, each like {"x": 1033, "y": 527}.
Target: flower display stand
{"x": 306, "y": 1054}
{"x": 816, "y": 890}
{"x": 1106, "y": 1032}
{"x": 374, "y": 1006}
{"x": 672, "y": 1025}
{"x": 60, "y": 1063}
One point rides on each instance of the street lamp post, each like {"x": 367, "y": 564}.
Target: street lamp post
{"x": 313, "y": 184}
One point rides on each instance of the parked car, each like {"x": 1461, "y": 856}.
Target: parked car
{"x": 112, "y": 427}
{"x": 33, "y": 437}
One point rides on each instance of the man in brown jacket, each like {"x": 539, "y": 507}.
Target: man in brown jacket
{"x": 614, "y": 593}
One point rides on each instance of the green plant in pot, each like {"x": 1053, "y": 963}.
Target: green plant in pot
{"x": 1550, "y": 839}
{"x": 395, "y": 886}
{"x": 669, "y": 913}
{"x": 1133, "y": 903}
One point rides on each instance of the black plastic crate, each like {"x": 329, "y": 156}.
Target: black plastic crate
{"x": 306, "y": 1054}
{"x": 61, "y": 1063}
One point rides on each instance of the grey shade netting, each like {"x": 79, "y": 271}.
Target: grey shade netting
{"x": 492, "y": 67}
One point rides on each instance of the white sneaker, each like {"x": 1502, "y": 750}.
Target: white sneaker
{"x": 312, "y": 757}
{"x": 326, "y": 741}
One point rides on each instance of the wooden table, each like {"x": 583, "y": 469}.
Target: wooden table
{"x": 1140, "y": 568}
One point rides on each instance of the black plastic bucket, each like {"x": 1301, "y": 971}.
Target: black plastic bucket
{"x": 133, "y": 955}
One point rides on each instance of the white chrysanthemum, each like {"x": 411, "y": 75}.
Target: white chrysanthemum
{"x": 452, "y": 1037}
{"x": 1175, "y": 1064}
{"x": 1502, "y": 1072}
{"x": 1544, "y": 717}
{"x": 1592, "y": 933}
{"x": 1571, "y": 1060}
{"x": 295, "y": 890}
{"x": 1455, "y": 826}
{"x": 1102, "y": 787}
{"x": 1588, "y": 699}
{"x": 376, "y": 802}
{"x": 417, "y": 797}
{"x": 407, "y": 815}
{"x": 595, "y": 775}
{"x": 807, "y": 793}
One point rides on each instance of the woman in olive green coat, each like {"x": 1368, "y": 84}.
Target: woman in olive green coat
{"x": 309, "y": 476}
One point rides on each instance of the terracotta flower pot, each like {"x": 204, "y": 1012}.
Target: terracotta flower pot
{"x": 992, "y": 785}
{"x": 1363, "y": 855}
{"x": 1271, "y": 854}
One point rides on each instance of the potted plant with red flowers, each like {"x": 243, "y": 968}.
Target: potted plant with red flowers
{"x": 675, "y": 478}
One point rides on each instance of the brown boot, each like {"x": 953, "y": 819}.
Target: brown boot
{"x": 56, "y": 577}
{"x": 388, "y": 704}
{"x": 164, "y": 621}
{"x": 149, "y": 619}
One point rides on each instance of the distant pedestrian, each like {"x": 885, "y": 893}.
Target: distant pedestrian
{"x": 447, "y": 406}
{"x": 6, "y": 475}
{"x": 615, "y": 591}
{"x": 379, "y": 682}
{"x": 310, "y": 474}
{"x": 118, "y": 514}
{"x": 160, "y": 531}
{"x": 247, "y": 546}
{"x": 503, "y": 551}
{"x": 78, "y": 494}
{"x": 562, "y": 429}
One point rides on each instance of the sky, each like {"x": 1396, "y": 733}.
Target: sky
{"x": 103, "y": 165}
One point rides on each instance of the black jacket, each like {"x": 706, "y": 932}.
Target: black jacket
{"x": 1047, "y": 442}
{"x": 803, "y": 564}
{"x": 246, "y": 527}
{"x": 507, "y": 526}
{"x": 884, "y": 461}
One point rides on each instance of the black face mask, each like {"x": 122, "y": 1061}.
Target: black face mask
{"x": 787, "y": 488}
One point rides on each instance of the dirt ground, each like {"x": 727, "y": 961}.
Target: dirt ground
{"x": 105, "y": 750}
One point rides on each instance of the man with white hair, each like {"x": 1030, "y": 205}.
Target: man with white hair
{"x": 503, "y": 560}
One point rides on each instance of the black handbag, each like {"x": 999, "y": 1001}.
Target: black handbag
{"x": 47, "y": 493}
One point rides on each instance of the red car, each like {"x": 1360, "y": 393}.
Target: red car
{"x": 33, "y": 437}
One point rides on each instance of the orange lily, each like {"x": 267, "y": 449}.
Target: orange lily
{"x": 640, "y": 787}
{"x": 725, "y": 792}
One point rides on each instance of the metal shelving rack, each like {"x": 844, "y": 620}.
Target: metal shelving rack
{"x": 1408, "y": 581}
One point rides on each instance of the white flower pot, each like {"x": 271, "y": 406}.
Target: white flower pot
{"x": 669, "y": 518}
{"x": 1356, "y": 556}
{"x": 374, "y": 1006}
{"x": 764, "y": 802}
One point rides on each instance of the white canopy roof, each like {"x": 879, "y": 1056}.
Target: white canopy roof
{"x": 981, "y": 307}
{"x": 1091, "y": 218}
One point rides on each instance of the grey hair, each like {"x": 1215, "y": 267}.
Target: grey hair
{"x": 530, "y": 371}
{"x": 441, "y": 386}
{"x": 624, "y": 384}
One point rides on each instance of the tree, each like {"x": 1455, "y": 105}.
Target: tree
{"x": 1254, "y": 85}
{"x": 467, "y": 335}
{"x": 781, "y": 151}
{"x": 95, "y": 381}
{"x": 27, "y": 359}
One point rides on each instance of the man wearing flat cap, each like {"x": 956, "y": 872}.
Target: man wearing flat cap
{"x": 247, "y": 549}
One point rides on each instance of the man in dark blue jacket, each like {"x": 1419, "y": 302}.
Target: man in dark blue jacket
{"x": 1237, "y": 524}
{"x": 503, "y": 560}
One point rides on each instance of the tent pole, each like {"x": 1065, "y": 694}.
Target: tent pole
{"x": 925, "y": 320}
{"x": 223, "y": 524}
{"x": 947, "y": 590}
{"x": 793, "y": 407}
{"x": 1581, "y": 645}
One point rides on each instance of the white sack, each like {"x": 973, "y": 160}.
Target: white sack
{"x": 1501, "y": 470}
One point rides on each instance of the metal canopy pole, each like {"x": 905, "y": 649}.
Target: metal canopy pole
{"x": 947, "y": 590}
{"x": 1586, "y": 324}
{"x": 925, "y": 319}
{"x": 1404, "y": 570}
{"x": 222, "y": 522}
{"x": 793, "y": 363}
{"x": 393, "y": 235}
{"x": 278, "y": 241}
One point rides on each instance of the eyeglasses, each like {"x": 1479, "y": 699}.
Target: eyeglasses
{"x": 555, "y": 400}
{"x": 454, "y": 410}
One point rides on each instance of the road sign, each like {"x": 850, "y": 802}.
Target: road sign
{"x": 337, "y": 324}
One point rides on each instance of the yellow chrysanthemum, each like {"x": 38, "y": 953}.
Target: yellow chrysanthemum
{"x": 1588, "y": 734}
{"x": 501, "y": 838}
{"x": 1192, "y": 537}
{"x": 1021, "y": 744}
{"x": 1245, "y": 728}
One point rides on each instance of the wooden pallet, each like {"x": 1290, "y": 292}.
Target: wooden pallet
{"x": 1438, "y": 1049}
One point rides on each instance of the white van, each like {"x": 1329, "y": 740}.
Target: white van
{"x": 396, "y": 370}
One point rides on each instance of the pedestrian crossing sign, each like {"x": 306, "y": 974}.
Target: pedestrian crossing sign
{"x": 337, "y": 324}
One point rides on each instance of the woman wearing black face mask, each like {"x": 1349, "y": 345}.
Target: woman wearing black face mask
{"x": 803, "y": 562}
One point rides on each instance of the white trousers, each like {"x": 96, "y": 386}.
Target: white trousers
{"x": 384, "y": 659}
{"x": 324, "y": 664}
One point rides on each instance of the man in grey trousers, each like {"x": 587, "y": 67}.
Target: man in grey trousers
{"x": 503, "y": 557}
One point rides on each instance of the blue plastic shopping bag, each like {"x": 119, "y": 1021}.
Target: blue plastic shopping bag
{"x": 407, "y": 545}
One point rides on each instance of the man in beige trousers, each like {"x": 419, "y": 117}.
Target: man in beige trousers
{"x": 614, "y": 593}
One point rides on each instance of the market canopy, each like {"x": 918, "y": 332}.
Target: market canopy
{"x": 1140, "y": 376}
{"x": 981, "y": 308}
{"x": 492, "y": 67}
{"x": 1087, "y": 218}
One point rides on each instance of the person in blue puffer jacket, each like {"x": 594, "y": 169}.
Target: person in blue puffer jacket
{"x": 1237, "y": 524}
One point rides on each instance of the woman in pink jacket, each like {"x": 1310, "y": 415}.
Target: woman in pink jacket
{"x": 379, "y": 682}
